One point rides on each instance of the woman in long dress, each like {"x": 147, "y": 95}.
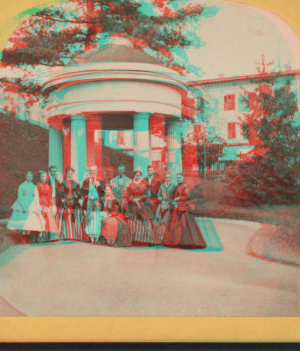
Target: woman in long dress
{"x": 73, "y": 214}
{"x": 137, "y": 193}
{"x": 44, "y": 192}
{"x": 164, "y": 210}
{"x": 114, "y": 229}
{"x": 24, "y": 219}
{"x": 91, "y": 207}
{"x": 184, "y": 231}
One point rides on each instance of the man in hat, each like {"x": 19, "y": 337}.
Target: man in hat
{"x": 120, "y": 182}
{"x": 152, "y": 184}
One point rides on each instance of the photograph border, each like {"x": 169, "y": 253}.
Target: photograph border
{"x": 145, "y": 329}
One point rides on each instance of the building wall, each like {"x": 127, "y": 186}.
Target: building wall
{"x": 217, "y": 117}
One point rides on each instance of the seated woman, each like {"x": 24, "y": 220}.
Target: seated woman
{"x": 44, "y": 196}
{"x": 184, "y": 231}
{"x": 24, "y": 218}
{"x": 114, "y": 229}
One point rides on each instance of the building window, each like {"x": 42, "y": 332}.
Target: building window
{"x": 231, "y": 130}
{"x": 229, "y": 102}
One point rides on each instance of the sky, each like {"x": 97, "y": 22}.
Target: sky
{"x": 238, "y": 35}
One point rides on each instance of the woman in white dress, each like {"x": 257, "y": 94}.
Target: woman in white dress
{"x": 25, "y": 217}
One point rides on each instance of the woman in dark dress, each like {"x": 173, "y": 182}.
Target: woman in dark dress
{"x": 114, "y": 229}
{"x": 139, "y": 229}
{"x": 164, "y": 210}
{"x": 184, "y": 231}
{"x": 73, "y": 216}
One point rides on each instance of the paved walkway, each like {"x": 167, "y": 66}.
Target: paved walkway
{"x": 84, "y": 279}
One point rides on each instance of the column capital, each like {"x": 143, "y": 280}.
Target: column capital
{"x": 78, "y": 118}
{"x": 141, "y": 115}
{"x": 55, "y": 123}
{"x": 174, "y": 123}
{"x": 93, "y": 118}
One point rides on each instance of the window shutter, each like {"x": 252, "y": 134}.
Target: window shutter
{"x": 229, "y": 102}
{"x": 231, "y": 130}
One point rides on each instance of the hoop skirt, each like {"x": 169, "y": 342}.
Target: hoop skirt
{"x": 184, "y": 231}
{"x": 115, "y": 231}
{"x": 26, "y": 214}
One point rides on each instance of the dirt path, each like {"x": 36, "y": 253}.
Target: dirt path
{"x": 84, "y": 279}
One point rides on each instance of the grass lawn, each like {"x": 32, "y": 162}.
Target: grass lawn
{"x": 280, "y": 243}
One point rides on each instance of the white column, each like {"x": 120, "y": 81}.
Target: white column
{"x": 141, "y": 156}
{"x": 174, "y": 147}
{"x": 78, "y": 146}
{"x": 56, "y": 142}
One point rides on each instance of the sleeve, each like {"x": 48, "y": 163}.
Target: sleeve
{"x": 160, "y": 195}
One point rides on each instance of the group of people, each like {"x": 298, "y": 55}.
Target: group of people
{"x": 116, "y": 211}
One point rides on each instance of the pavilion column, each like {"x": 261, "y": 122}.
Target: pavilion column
{"x": 67, "y": 143}
{"x": 189, "y": 154}
{"x": 174, "y": 157}
{"x": 157, "y": 142}
{"x": 94, "y": 143}
{"x": 141, "y": 142}
{"x": 56, "y": 145}
{"x": 78, "y": 146}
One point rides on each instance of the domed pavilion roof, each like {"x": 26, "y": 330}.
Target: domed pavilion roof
{"x": 116, "y": 53}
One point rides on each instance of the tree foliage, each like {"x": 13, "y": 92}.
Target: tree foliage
{"x": 273, "y": 177}
{"x": 209, "y": 150}
{"x": 55, "y": 35}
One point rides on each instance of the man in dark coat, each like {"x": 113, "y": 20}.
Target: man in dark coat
{"x": 52, "y": 181}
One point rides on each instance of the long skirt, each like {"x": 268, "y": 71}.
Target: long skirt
{"x": 184, "y": 232}
{"x": 115, "y": 231}
{"x": 124, "y": 237}
{"x": 28, "y": 221}
{"x": 134, "y": 226}
{"x": 51, "y": 226}
{"x": 73, "y": 225}
{"x": 161, "y": 225}
{"x": 144, "y": 232}
{"x": 60, "y": 219}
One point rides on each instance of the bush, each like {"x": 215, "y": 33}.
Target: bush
{"x": 262, "y": 183}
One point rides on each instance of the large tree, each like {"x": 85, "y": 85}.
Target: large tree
{"x": 54, "y": 36}
{"x": 270, "y": 124}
